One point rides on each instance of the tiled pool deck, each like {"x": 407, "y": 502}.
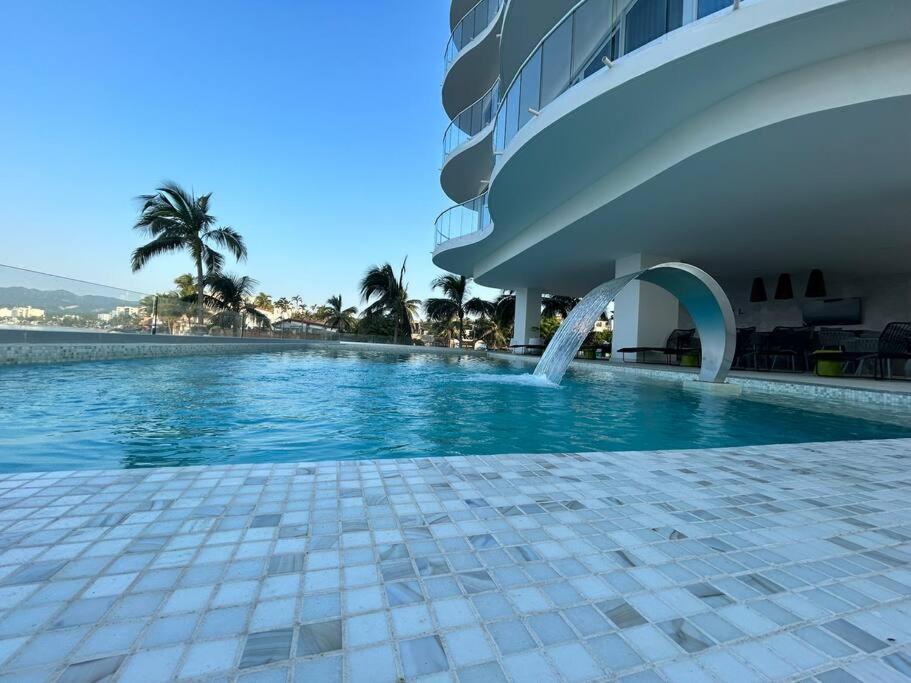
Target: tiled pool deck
{"x": 772, "y": 562}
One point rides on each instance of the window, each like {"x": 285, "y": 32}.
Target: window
{"x": 707, "y": 7}
{"x": 645, "y": 22}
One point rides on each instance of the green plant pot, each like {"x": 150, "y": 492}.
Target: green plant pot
{"x": 828, "y": 368}
{"x": 690, "y": 360}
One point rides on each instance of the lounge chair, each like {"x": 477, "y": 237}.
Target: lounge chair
{"x": 679, "y": 343}
{"x": 894, "y": 343}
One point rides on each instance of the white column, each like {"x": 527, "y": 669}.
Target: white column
{"x": 644, "y": 314}
{"x": 528, "y": 318}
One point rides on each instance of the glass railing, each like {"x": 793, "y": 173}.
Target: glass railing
{"x": 462, "y": 219}
{"x": 579, "y": 46}
{"x": 471, "y": 120}
{"x": 469, "y": 27}
{"x": 35, "y": 305}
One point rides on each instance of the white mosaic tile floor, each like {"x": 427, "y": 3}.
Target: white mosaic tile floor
{"x": 759, "y": 563}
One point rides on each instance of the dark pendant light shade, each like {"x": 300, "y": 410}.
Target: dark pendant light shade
{"x": 783, "y": 289}
{"x": 816, "y": 285}
{"x": 757, "y": 292}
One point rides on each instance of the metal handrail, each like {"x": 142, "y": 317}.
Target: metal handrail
{"x": 578, "y": 71}
{"x": 443, "y": 227}
{"x": 450, "y": 55}
{"x": 453, "y": 129}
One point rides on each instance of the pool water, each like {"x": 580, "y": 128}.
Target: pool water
{"x": 340, "y": 404}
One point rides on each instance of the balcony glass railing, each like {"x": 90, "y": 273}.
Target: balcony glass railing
{"x": 462, "y": 219}
{"x": 469, "y": 27}
{"x": 578, "y": 46}
{"x": 471, "y": 120}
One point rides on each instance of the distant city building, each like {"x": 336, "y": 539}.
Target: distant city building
{"x": 22, "y": 312}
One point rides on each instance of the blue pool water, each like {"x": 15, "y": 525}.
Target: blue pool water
{"x": 328, "y": 404}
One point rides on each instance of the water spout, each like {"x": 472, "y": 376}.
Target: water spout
{"x": 580, "y": 321}
{"x": 703, "y": 298}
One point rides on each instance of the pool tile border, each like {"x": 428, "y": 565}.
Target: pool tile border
{"x": 784, "y": 562}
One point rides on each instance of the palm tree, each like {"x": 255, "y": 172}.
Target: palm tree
{"x": 178, "y": 220}
{"x": 390, "y": 296}
{"x": 230, "y": 295}
{"x": 495, "y": 327}
{"x": 283, "y": 306}
{"x": 554, "y": 305}
{"x": 341, "y": 319}
{"x": 263, "y": 301}
{"x": 454, "y": 306}
{"x": 298, "y": 302}
{"x": 186, "y": 286}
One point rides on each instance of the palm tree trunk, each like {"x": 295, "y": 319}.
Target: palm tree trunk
{"x": 200, "y": 310}
{"x": 395, "y": 331}
{"x": 461, "y": 330}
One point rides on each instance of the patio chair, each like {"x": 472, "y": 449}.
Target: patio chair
{"x": 679, "y": 343}
{"x": 745, "y": 350}
{"x": 789, "y": 343}
{"x": 894, "y": 343}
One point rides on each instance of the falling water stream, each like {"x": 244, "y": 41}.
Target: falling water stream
{"x": 572, "y": 333}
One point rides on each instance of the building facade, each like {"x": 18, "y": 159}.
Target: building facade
{"x": 761, "y": 140}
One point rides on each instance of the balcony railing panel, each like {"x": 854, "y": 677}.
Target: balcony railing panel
{"x": 462, "y": 219}
{"x": 593, "y": 34}
{"x": 471, "y": 120}
{"x": 475, "y": 21}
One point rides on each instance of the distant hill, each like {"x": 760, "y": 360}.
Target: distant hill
{"x": 60, "y": 300}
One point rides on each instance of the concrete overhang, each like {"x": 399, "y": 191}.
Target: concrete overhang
{"x": 733, "y": 141}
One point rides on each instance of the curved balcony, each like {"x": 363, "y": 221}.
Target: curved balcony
{"x": 580, "y": 46}
{"x": 462, "y": 220}
{"x": 471, "y": 120}
{"x": 470, "y": 26}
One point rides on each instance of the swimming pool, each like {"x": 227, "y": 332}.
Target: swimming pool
{"x": 342, "y": 404}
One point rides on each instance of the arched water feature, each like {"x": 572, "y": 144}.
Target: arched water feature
{"x": 702, "y": 297}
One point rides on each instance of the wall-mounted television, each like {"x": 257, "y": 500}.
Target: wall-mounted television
{"x": 848, "y": 311}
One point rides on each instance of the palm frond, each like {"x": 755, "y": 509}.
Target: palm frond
{"x": 440, "y": 310}
{"x": 160, "y": 245}
{"x": 230, "y": 239}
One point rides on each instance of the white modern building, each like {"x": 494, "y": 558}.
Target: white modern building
{"x": 760, "y": 140}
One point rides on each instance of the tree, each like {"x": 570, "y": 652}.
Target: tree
{"x": 186, "y": 286}
{"x": 390, "y": 295}
{"x": 455, "y": 305}
{"x": 556, "y": 305}
{"x": 549, "y": 326}
{"x": 178, "y": 220}
{"x": 298, "y": 302}
{"x": 263, "y": 301}
{"x": 283, "y": 306}
{"x": 230, "y": 296}
{"x": 495, "y": 327}
{"x": 335, "y": 316}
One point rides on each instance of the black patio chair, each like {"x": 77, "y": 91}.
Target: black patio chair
{"x": 793, "y": 344}
{"x": 745, "y": 350}
{"x": 894, "y": 344}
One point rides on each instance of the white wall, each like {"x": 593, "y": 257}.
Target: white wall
{"x": 885, "y": 299}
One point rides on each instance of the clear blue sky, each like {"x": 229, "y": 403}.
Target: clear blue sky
{"x": 317, "y": 125}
